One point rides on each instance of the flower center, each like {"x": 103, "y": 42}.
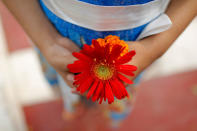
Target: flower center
{"x": 103, "y": 71}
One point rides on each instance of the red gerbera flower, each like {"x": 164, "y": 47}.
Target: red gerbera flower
{"x": 100, "y": 69}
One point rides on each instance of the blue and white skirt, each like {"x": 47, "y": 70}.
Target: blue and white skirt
{"x": 77, "y": 33}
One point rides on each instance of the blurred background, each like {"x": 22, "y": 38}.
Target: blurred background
{"x": 166, "y": 98}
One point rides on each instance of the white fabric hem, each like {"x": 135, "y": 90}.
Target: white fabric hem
{"x": 106, "y": 18}
{"x": 162, "y": 23}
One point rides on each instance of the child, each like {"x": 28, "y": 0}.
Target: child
{"x": 75, "y": 22}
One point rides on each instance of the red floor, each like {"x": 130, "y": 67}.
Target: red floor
{"x": 163, "y": 104}
{"x": 166, "y": 104}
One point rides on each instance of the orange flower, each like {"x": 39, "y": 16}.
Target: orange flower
{"x": 113, "y": 40}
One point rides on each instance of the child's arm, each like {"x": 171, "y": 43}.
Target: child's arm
{"x": 56, "y": 49}
{"x": 181, "y": 13}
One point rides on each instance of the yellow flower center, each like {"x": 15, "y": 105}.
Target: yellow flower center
{"x": 103, "y": 71}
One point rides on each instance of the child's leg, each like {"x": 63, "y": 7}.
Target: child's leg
{"x": 58, "y": 85}
{"x": 121, "y": 109}
{"x": 69, "y": 98}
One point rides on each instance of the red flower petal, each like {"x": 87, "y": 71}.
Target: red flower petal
{"x": 109, "y": 93}
{"x": 96, "y": 44}
{"x": 77, "y": 66}
{"x": 128, "y": 67}
{"x": 126, "y": 58}
{"x": 81, "y": 79}
{"x": 87, "y": 50}
{"x": 102, "y": 96}
{"x": 81, "y": 56}
{"x": 98, "y": 91}
{"x": 99, "y": 51}
{"x": 125, "y": 79}
{"x": 122, "y": 88}
{"x": 107, "y": 52}
{"x": 85, "y": 85}
{"x": 115, "y": 53}
{"x": 115, "y": 89}
{"x": 126, "y": 72}
{"x": 92, "y": 89}
{"x": 81, "y": 76}
{"x": 78, "y": 76}
{"x": 101, "y": 100}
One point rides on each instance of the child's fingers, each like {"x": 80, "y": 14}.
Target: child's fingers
{"x": 74, "y": 91}
{"x": 67, "y": 79}
{"x": 70, "y": 77}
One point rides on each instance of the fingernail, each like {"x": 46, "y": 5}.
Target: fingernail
{"x": 70, "y": 77}
{"x": 73, "y": 90}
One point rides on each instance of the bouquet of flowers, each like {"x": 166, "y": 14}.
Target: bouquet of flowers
{"x": 101, "y": 69}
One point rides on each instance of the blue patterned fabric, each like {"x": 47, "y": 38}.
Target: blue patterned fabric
{"x": 116, "y": 2}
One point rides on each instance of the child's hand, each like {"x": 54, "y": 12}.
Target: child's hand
{"x": 146, "y": 54}
{"x": 59, "y": 55}
{"x": 152, "y": 47}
